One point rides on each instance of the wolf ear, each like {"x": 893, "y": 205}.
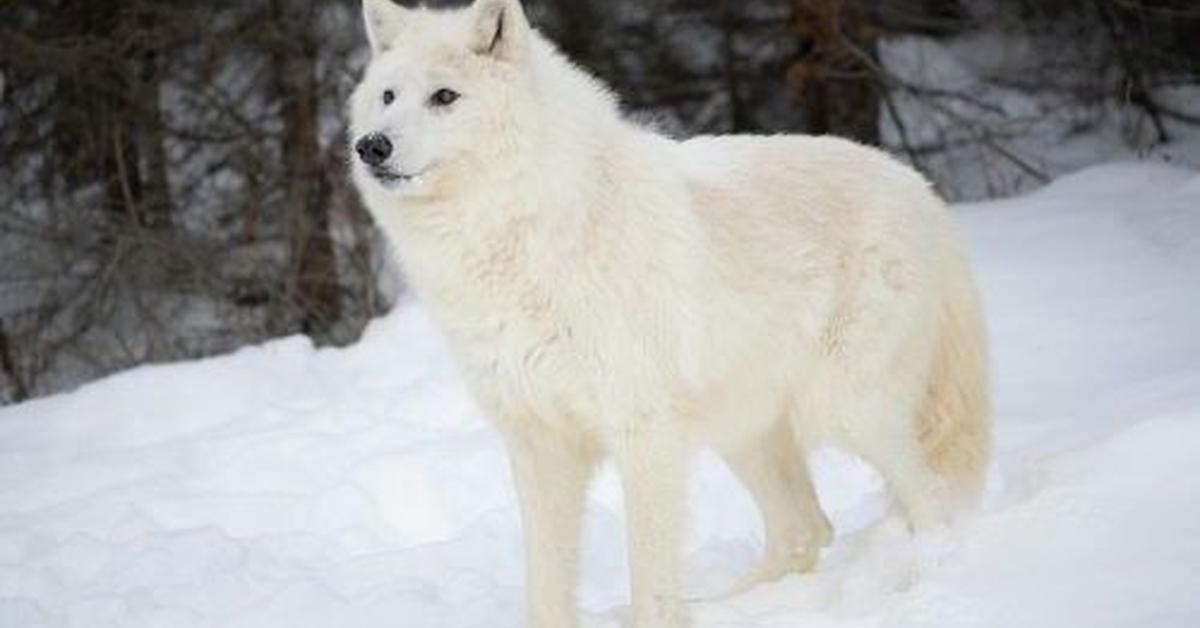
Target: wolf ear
{"x": 501, "y": 29}
{"x": 383, "y": 19}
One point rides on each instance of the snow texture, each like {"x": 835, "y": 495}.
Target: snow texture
{"x": 287, "y": 487}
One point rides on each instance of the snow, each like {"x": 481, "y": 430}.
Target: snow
{"x": 284, "y": 486}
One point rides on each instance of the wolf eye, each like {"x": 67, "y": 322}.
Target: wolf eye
{"x": 443, "y": 97}
{"x": 388, "y": 96}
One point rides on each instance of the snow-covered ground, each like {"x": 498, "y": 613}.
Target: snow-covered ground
{"x": 287, "y": 487}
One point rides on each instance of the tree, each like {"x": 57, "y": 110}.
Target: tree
{"x": 174, "y": 184}
{"x": 294, "y": 56}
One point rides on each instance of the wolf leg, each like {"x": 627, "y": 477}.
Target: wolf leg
{"x": 893, "y": 448}
{"x": 773, "y": 468}
{"x": 551, "y": 475}
{"x": 652, "y": 462}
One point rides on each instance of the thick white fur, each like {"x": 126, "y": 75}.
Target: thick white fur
{"x": 609, "y": 291}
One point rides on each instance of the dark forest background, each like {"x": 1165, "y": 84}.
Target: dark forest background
{"x": 172, "y": 178}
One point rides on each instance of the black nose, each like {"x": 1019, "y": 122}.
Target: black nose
{"x": 374, "y": 149}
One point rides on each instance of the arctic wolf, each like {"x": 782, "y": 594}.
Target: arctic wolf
{"x": 607, "y": 291}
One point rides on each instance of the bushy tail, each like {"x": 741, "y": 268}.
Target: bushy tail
{"x": 954, "y": 423}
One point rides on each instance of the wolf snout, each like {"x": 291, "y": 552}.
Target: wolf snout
{"x": 373, "y": 149}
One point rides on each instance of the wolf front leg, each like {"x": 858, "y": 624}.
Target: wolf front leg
{"x": 551, "y": 474}
{"x": 652, "y": 461}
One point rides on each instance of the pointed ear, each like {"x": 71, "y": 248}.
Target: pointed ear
{"x": 383, "y": 19}
{"x": 500, "y": 30}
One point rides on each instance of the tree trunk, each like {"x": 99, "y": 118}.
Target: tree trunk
{"x": 835, "y": 75}
{"x": 739, "y": 119}
{"x": 8, "y": 366}
{"x": 156, "y": 206}
{"x": 1133, "y": 83}
{"x": 95, "y": 139}
{"x": 316, "y": 285}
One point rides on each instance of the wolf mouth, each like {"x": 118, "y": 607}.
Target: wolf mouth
{"x": 388, "y": 176}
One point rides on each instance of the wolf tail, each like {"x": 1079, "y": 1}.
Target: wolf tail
{"x": 953, "y": 421}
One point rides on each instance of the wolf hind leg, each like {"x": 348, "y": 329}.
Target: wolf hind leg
{"x": 920, "y": 492}
{"x": 883, "y": 430}
{"x": 774, "y": 470}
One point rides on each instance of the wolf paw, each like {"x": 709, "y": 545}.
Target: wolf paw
{"x": 777, "y": 563}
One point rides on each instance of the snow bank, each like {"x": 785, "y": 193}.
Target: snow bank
{"x": 283, "y": 486}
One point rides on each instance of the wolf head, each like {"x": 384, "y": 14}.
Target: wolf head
{"x": 443, "y": 100}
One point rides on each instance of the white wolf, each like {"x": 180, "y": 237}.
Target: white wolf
{"x": 609, "y": 291}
